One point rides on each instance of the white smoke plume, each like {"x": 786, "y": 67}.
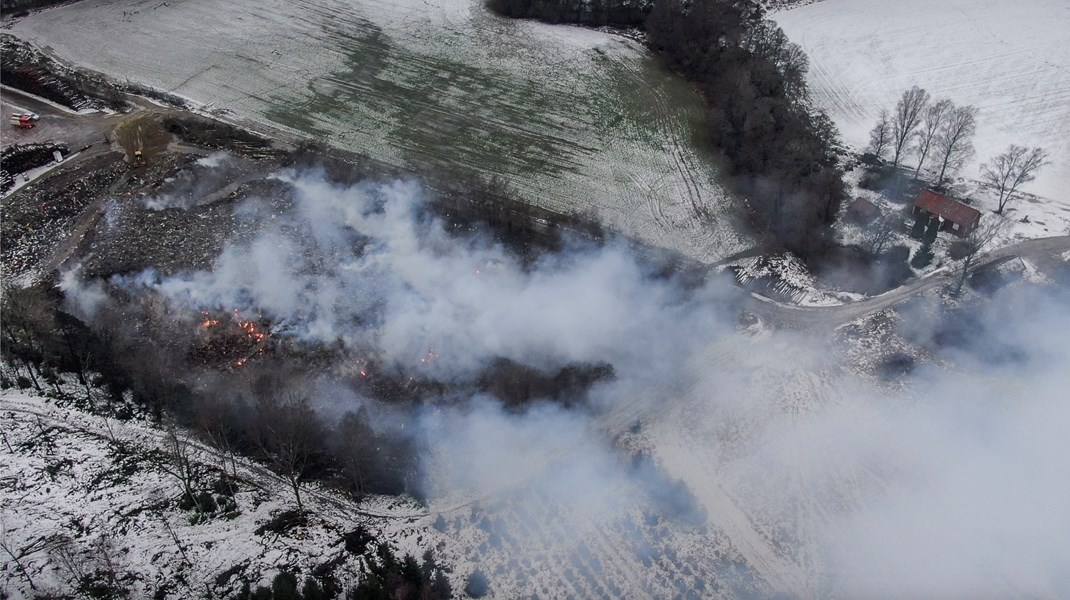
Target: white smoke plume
{"x": 83, "y": 298}
{"x": 822, "y": 482}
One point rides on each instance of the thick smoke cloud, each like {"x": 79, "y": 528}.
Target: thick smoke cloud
{"x": 979, "y": 504}
{"x": 486, "y": 448}
{"x": 84, "y": 298}
{"x": 364, "y": 266}
{"x": 824, "y": 482}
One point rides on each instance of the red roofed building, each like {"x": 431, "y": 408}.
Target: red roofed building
{"x": 956, "y": 217}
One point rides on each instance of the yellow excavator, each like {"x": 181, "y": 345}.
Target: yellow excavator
{"x": 138, "y": 160}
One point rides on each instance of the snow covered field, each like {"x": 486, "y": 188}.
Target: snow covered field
{"x": 1010, "y": 59}
{"x": 575, "y": 119}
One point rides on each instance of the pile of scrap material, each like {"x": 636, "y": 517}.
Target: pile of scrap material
{"x": 20, "y": 158}
{"x": 25, "y": 68}
{"x": 37, "y": 218}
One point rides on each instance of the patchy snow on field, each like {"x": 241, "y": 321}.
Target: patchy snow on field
{"x": 94, "y": 489}
{"x": 576, "y": 120}
{"x": 1010, "y": 59}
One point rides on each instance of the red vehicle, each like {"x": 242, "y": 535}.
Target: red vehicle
{"x": 24, "y": 120}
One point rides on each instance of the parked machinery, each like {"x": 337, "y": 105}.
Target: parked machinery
{"x": 24, "y": 120}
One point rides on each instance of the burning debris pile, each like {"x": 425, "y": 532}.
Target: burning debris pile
{"x": 227, "y": 340}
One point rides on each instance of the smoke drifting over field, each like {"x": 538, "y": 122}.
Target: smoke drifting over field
{"x": 819, "y": 481}
{"x": 982, "y": 473}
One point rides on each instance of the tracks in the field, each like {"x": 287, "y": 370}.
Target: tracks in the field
{"x": 675, "y": 191}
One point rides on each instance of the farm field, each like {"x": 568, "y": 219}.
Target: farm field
{"x": 1010, "y": 59}
{"x": 574, "y": 119}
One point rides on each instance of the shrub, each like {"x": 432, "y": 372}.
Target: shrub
{"x": 282, "y": 523}
{"x": 356, "y": 541}
{"x": 284, "y": 587}
{"x": 922, "y": 258}
{"x": 478, "y": 585}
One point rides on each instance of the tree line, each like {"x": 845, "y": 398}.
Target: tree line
{"x": 940, "y": 134}
{"x": 780, "y": 153}
{"x": 618, "y": 13}
{"x": 141, "y": 357}
{"x": 263, "y": 419}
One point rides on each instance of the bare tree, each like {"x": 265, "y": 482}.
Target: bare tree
{"x": 1008, "y": 171}
{"x": 78, "y": 350}
{"x": 881, "y": 134}
{"x": 26, "y": 320}
{"x": 982, "y": 235}
{"x": 99, "y": 562}
{"x": 905, "y": 121}
{"x": 881, "y": 231}
{"x": 178, "y": 464}
{"x": 18, "y": 553}
{"x": 356, "y": 449}
{"x": 288, "y": 435}
{"x": 104, "y": 557}
{"x": 66, "y": 555}
{"x": 174, "y": 538}
{"x": 213, "y": 420}
{"x": 932, "y": 119}
{"x": 953, "y": 143}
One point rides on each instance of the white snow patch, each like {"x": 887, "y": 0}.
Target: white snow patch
{"x": 25, "y": 178}
{"x": 62, "y": 475}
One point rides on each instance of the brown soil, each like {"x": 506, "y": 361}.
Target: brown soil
{"x": 145, "y": 133}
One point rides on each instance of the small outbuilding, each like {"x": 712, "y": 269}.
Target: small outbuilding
{"x": 956, "y": 217}
{"x": 863, "y": 212}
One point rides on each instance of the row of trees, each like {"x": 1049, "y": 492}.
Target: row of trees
{"x": 284, "y": 432}
{"x": 40, "y": 341}
{"x": 938, "y": 131}
{"x": 619, "y": 13}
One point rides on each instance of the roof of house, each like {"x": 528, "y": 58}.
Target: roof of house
{"x": 946, "y": 208}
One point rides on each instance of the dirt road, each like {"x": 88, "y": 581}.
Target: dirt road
{"x": 804, "y": 317}
{"x": 57, "y": 124}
